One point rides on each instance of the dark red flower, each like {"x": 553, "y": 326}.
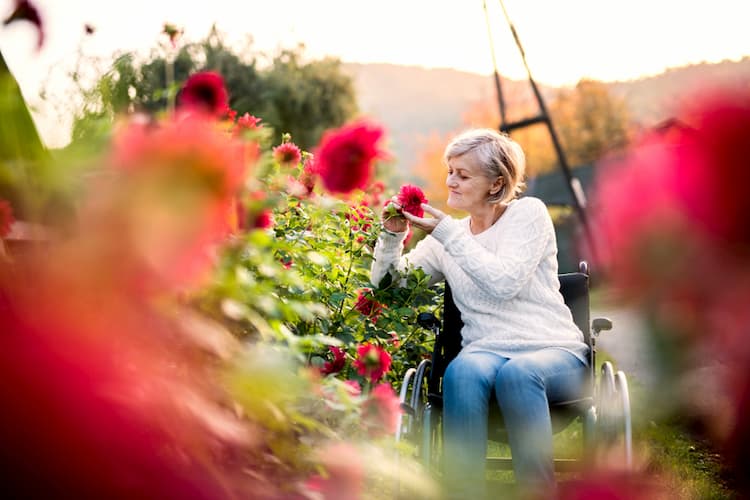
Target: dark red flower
{"x": 204, "y": 92}
{"x": 287, "y": 154}
{"x": 263, "y": 220}
{"x": 410, "y": 198}
{"x": 26, "y": 11}
{"x": 172, "y": 32}
{"x": 6, "y": 218}
{"x": 367, "y": 305}
{"x": 372, "y": 362}
{"x": 345, "y": 156}
{"x": 381, "y": 410}
{"x": 337, "y": 363}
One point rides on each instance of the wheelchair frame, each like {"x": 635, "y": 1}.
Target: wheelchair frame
{"x": 604, "y": 410}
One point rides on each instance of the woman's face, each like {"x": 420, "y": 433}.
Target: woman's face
{"x": 468, "y": 186}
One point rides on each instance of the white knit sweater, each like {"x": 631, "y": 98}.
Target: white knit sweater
{"x": 504, "y": 280}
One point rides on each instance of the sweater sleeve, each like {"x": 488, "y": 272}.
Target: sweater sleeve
{"x": 523, "y": 241}
{"x": 388, "y": 258}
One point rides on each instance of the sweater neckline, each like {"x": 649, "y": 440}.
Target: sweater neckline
{"x": 467, "y": 221}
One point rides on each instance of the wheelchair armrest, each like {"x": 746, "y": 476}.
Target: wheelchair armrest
{"x": 429, "y": 321}
{"x": 600, "y": 324}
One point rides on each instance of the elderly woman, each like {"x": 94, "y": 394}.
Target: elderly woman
{"x": 519, "y": 339}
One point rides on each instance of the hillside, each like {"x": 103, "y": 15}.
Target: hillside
{"x": 414, "y": 102}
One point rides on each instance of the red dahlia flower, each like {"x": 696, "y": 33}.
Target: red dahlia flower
{"x": 287, "y": 154}
{"x": 204, "y": 92}
{"x": 366, "y": 305}
{"x": 411, "y": 198}
{"x": 372, "y": 362}
{"x": 345, "y": 156}
{"x": 338, "y": 362}
{"x": 6, "y": 218}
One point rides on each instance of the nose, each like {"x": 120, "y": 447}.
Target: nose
{"x": 450, "y": 181}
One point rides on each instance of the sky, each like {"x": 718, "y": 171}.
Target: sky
{"x": 564, "y": 41}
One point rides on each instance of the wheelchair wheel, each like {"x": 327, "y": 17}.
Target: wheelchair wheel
{"x": 408, "y": 415}
{"x": 614, "y": 423}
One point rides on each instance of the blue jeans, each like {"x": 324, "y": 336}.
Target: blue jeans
{"x": 524, "y": 387}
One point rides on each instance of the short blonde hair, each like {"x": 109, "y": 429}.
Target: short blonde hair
{"x": 497, "y": 154}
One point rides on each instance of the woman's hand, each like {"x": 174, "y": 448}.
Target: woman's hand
{"x": 426, "y": 225}
{"x": 393, "y": 220}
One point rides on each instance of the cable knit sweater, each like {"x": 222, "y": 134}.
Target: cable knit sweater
{"x": 504, "y": 280}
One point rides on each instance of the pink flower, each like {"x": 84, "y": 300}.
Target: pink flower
{"x": 204, "y": 92}
{"x": 6, "y": 218}
{"x": 366, "y": 305}
{"x": 287, "y": 154}
{"x": 338, "y": 362}
{"x": 381, "y": 410}
{"x": 411, "y": 198}
{"x": 372, "y": 362}
{"x": 246, "y": 122}
{"x": 353, "y": 387}
{"x": 345, "y": 474}
{"x": 26, "y": 11}
{"x": 263, "y": 220}
{"x": 345, "y": 156}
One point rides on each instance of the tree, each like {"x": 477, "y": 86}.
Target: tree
{"x": 291, "y": 96}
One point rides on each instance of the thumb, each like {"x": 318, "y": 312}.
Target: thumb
{"x": 432, "y": 211}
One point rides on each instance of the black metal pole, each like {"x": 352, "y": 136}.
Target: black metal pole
{"x": 577, "y": 202}
{"x": 498, "y": 87}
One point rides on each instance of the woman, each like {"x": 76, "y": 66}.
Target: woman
{"x": 519, "y": 338}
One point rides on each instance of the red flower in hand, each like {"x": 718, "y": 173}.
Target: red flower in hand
{"x": 372, "y": 362}
{"x": 345, "y": 156}
{"x": 6, "y": 218}
{"x": 411, "y": 198}
{"x": 205, "y": 92}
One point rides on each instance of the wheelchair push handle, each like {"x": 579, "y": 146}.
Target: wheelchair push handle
{"x": 429, "y": 321}
{"x": 601, "y": 324}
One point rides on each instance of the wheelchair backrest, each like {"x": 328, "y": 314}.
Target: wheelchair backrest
{"x": 574, "y": 287}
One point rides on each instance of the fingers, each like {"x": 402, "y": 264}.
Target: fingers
{"x": 433, "y": 211}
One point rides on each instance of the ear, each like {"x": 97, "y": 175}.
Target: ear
{"x": 497, "y": 185}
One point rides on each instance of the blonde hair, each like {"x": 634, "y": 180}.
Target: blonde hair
{"x": 497, "y": 154}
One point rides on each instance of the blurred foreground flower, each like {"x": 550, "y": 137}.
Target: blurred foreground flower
{"x": 170, "y": 199}
{"x": 27, "y": 11}
{"x": 6, "y": 218}
{"x": 345, "y": 156}
{"x": 673, "y": 213}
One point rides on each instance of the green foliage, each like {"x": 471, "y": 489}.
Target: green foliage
{"x": 300, "y": 97}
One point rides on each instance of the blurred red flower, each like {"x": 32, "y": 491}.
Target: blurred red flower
{"x": 287, "y": 154}
{"x": 381, "y": 410}
{"x": 345, "y": 156}
{"x": 204, "y": 92}
{"x": 27, "y": 11}
{"x": 6, "y": 218}
{"x": 172, "y": 198}
{"x": 345, "y": 474}
{"x": 410, "y": 198}
{"x": 372, "y": 362}
{"x": 367, "y": 305}
{"x": 338, "y": 362}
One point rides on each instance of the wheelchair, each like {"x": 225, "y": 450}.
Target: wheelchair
{"x": 603, "y": 408}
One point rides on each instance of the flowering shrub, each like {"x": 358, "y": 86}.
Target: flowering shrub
{"x": 206, "y": 312}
